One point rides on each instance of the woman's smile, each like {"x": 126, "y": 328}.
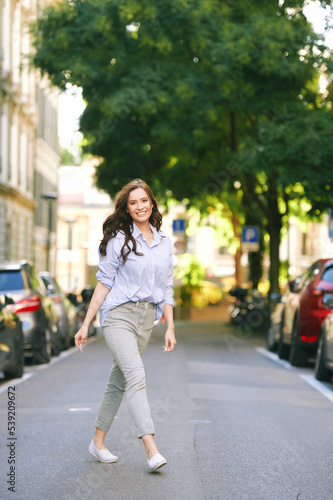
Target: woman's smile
{"x": 139, "y": 205}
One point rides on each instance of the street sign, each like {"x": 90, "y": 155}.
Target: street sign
{"x": 178, "y": 226}
{"x": 250, "y": 238}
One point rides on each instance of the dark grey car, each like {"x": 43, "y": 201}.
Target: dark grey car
{"x": 20, "y": 281}
{"x": 324, "y": 359}
{"x": 11, "y": 341}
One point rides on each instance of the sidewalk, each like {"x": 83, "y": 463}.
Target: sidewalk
{"x": 219, "y": 312}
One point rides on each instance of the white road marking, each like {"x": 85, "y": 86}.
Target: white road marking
{"x": 80, "y": 409}
{"x": 15, "y": 382}
{"x": 200, "y": 421}
{"x": 274, "y": 357}
{"x": 325, "y": 391}
{"x": 309, "y": 379}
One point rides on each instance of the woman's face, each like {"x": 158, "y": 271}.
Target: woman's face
{"x": 139, "y": 205}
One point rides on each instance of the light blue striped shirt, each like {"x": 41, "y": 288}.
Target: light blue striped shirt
{"x": 146, "y": 278}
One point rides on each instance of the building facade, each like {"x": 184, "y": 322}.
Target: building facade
{"x": 82, "y": 210}
{"x": 28, "y": 140}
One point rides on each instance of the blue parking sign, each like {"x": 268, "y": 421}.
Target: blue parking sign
{"x": 250, "y": 238}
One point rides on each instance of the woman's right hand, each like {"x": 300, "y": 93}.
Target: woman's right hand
{"x": 81, "y": 337}
{"x": 97, "y": 300}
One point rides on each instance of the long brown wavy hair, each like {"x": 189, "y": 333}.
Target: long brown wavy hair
{"x": 120, "y": 219}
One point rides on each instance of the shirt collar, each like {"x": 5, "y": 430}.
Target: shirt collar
{"x": 137, "y": 233}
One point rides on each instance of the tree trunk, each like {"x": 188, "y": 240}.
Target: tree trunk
{"x": 274, "y": 223}
{"x": 274, "y": 230}
{"x": 238, "y": 267}
{"x": 270, "y": 211}
{"x": 238, "y": 254}
{"x": 235, "y": 218}
{"x": 255, "y": 265}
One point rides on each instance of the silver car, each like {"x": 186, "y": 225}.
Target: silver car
{"x": 20, "y": 281}
{"x": 66, "y": 312}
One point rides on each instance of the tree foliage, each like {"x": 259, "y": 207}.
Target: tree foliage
{"x": 199, "y": 97}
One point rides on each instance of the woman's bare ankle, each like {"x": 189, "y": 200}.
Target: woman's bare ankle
{"x": 99, "y": 439}
{"x": 99, "y": 444}
{"x": 150, "y": 446}
{"x": 152, "y": 453}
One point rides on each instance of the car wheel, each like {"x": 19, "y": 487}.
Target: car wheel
{"x": 55, "y": 348}
{"x": 57, "y": 344}
{"x": 321, "y": 372}
{"x": 19, "y": 369}
{"x": 271, "y": 343}
{"x": 298, "y": 356}
{"x": 92, "y": 330}
{"x": 283, "y": 349}
{"x": 66, "y": 343}
{"x": 43, "y": 354}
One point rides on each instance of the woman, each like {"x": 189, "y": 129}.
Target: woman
{"x": 134, "y": 288}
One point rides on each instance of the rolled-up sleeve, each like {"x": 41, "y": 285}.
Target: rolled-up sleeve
{"x": 168, "y": 294}
{"x": 109, "y": 264}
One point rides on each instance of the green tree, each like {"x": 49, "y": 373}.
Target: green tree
{"x": 199, "y": 97}
{"x": 67, "y": 157}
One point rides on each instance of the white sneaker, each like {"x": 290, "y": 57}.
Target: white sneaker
{"x": 156, "y": 462}
{"x": 104, "y": 455}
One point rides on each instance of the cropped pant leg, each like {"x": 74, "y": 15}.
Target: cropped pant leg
{"x": 127, "y": 330}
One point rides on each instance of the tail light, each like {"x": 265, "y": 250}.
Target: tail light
{"x": 56, "y": 299}
{"x": 316, "y": 292}
{"x": 311, "y": 338}
{"x": 30, "y": 304}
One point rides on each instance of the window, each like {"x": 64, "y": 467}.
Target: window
{"x": 328, "y": 275}
{"x": 11, "y": 280}
{"x": 310, "y": 273}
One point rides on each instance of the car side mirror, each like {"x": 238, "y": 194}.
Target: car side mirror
{"x": 8, "y": 301}
{"x": 328, "y": 301}
{"x": 5, "y": 301}
{"x": 293, "y": 284}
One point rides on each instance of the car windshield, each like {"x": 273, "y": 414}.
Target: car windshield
{"x": 11, "y": 280}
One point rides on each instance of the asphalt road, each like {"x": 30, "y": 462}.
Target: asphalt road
{"x": 233, "y": 423}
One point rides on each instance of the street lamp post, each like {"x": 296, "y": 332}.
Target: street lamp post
{"x": 70, "y": 221}
{"x": 85, "y": 246}
{"x": 50, "y": 197}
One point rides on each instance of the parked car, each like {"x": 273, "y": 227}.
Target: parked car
{"x": 11, "y": 341}
{"x": 324, "y": 358}
{"x": 274, "y": 330}
{"x": 67, "y": 314}
{"x": 304, "y": 312}
{"x": 82, "y": 307}
{"x": 21, "y": 282}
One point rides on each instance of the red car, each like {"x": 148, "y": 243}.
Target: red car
{"x": 304, "y": 312}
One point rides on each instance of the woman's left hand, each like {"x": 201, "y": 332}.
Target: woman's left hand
{"x": 170, "y": 340}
